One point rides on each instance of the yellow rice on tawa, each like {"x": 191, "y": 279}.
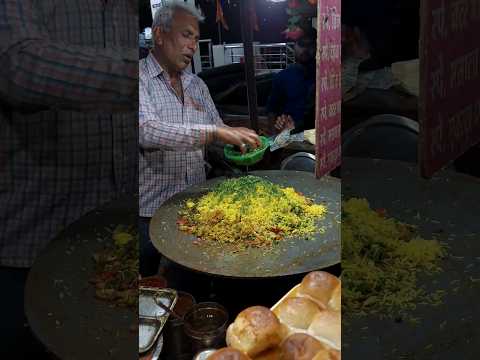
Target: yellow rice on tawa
{"x": 250, "y": 212}
{"x": 381, "y": 261}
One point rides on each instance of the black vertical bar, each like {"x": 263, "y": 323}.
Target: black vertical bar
{"x": 219, "y": 28}
{"x": 249, "y": 57}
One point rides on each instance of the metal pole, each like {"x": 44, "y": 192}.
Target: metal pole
{"x": 219, "y": 33}
{"x": 249, "y": 57}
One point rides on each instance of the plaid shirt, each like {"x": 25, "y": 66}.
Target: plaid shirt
{"x": 172, "y": 134}
{"x": 68, "y": 130}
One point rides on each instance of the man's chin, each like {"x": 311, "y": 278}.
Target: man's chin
{"x": 183, "y": 65}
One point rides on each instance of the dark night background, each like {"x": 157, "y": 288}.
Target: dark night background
{"x": 392, "y": 26}
{"x": 272, "y": 20}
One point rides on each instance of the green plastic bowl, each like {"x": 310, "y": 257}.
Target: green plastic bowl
{"x": 250, "y": 158}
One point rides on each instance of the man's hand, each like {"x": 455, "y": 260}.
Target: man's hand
{"x": 239, "y": 136}
{"x": 284, "y": 122}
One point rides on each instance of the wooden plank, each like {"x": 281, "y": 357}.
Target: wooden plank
{"x": 449, "y": 108}
{"x": 328, "y": 89}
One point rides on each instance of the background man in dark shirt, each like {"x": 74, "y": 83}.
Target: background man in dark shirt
{"x": 292, "y": 87}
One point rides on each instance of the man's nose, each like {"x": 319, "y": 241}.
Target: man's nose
{"x": 192, "y": 45}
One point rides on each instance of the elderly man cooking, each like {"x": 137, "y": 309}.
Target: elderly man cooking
{"x": 177, "y": 119}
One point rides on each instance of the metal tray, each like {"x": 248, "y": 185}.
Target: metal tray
{"x": 158, "y": 348}
{"x": 152, "y": 317}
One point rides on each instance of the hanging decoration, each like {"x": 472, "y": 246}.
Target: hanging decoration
{"x": 300, "y": 14}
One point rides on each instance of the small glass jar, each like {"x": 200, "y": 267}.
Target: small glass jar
{"x": 206, "y": 324}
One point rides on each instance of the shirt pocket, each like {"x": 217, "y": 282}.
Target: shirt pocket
{"x": 192, "y": 116}
{"x": 196, "y": 110}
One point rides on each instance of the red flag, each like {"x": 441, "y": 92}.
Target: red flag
{"x": 220, "y": 16}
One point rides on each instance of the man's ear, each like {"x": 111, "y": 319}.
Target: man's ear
{"x": 158, "y": 36}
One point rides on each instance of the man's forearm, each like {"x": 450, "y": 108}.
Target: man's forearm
{"x": 271, "y": 117}
{"x": 157, "y": 136}
{"x": 40, "y": 73}
{"x": 37, "y": 71}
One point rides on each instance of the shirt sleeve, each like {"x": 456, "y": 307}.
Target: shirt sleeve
{"x": 37, "y": 72}
{"x": 155, "y": 134}
{"x": 210, "y": 105}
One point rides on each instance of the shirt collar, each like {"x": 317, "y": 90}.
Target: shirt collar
{"x": 155, "y": 69}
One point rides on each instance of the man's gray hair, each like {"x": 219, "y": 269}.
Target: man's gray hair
{"x": 164, "y": 15}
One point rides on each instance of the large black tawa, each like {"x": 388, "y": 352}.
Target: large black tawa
{"x": 447, "y": 208}
{"x": 291, "y": 256}
{"x": 59, "y": 301}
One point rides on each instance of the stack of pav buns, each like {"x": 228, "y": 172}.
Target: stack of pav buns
{"x": 304, "y": 325}
{"x": 229, "y": 353}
